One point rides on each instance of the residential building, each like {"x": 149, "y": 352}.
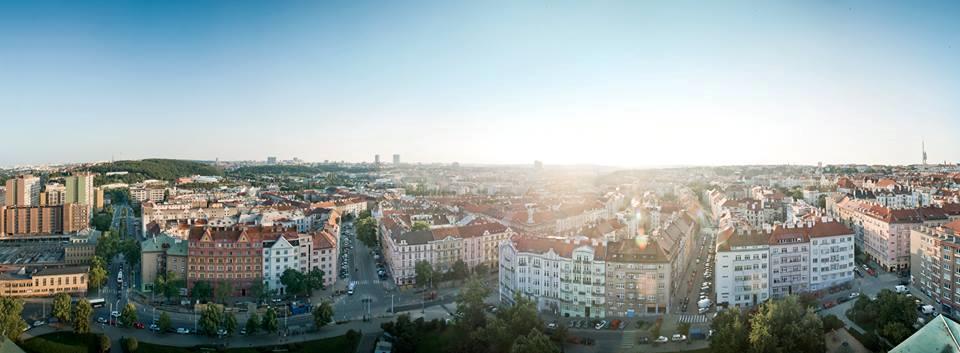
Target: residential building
{"x": 566, "y": 276}
{"x": 742, "y": 275}
{"x": 23, "y": 190}
{"x": 279, "y": 255}
{"x": 32, "y": 220}
{"x": 935, "y": 263}
{"x": 44, "y": 282}
{"x": 230, "y": 254}
{"x": 53, "y": 195}
{"x": 79, "y": 189}
{"x": 324, "y": 256}
{"x": 82, "y": 247}
{"x": 162, "y": 254}
{"x": 147, "y": 193}
{"x": 76, "y": 217}
{"x": 638, "y": 278}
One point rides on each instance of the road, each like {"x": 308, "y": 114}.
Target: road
{"x": 372, "y": 297}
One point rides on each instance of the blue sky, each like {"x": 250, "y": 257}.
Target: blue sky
{"x": 631, "y": 83}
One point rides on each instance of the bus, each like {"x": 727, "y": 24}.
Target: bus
{"x": 98, "y": 302}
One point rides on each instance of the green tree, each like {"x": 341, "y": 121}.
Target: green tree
{"x": 129, "y": 315}
{"x": 259, "y": 291}
{"x": 534, "y": 342}
{"x": 786, "y": 326}
{"x": 561, "y": 333}
{"x": 164, "y": 322}
{"x": 210, "y": 320}
{"x": 731, "y": 332}
{"x": 832, "y": 322}
{"x": 419, "y": 225}
{"x": 253, "y": 323}
{"x": 230, "y": 323}
{"x": 895, "y": 331}
{"x": 97, "y": 273}
{"x": 367, "y": 231}
{"x": 294, "y": 281}
{"x": 470, "y": 306}
{"x": 270, "y": 323}
{"x": 481, "y": 270}
{"x": 223, "y": 291}
{"x": 62, "y": 307}
{"x": 424, "y": 273}
{"x": 322, "y": 314}
{"x": 683, "y": 328}
{"x": 11, "y": 324}
{"x": 459, "y": 270}
{"x": 104, "y": 343}
{"x": 201, "y": 291}
{"x": 130, "y": 344}
{"x": 314, "y": 280}
{"x": 81, "y": 316}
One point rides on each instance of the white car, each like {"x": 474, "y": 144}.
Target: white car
{"x": 854, "y": 295}
{"x": 115, "y": 313}
{"x": 678, "y": 338}
{"x": 702, "y": 311}
{"x": 600, "y": 325}
{"x": 661, "y": 339}
{"x": 39, "y": 323}
{"x": 183, "y": 331}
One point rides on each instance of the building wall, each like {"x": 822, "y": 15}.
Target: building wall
{"x": 741, "y": 277}
{"x": 789, "y": 268}
{"x": 643, "y": 288}
{"x": 45, "y": 285}
{"x": 240, "y": 263}
{"x": 831, "y": 261}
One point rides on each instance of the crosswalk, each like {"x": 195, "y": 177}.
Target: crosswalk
{"x": 692, "y": 319}
{"x": 629, "y": 339}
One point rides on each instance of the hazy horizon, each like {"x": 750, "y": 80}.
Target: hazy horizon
{"x": 623, "y": 84}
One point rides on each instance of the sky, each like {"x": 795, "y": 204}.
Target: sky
{"x": 630, "y": 84}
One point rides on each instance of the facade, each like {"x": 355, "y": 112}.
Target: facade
{"x": 45, "y": 282}
{"x": 566, "y": 276}
{"x": 82, "y": 247}
{"x": 324, "y": 256}
{"x": 742, "y": 274}
{"x": 637, "y": 279}
{"x": 231, "y": 254}
{"x": 183, "y": 213}
{"x": 76, "y": 217}
{"x": 53, "y": 195}
{"x": 32, "y": 220}
{"x": 789, "y": 262}
{"x": 144, "y": 194}
{"x": 23, "y": 190}
{"x": 79, "y": 189}
{"x": 279, "y": 255}
{"x": 162, "y": 254}
{"x": 935, "y": 263}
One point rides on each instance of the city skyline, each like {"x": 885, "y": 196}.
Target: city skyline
{"x": 615, "y": 84}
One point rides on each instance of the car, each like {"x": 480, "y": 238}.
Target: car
{"x": 102, "y": 320}
{"x": 661, "y": 339}
{"x": 154, "y": 327}
{"x": 115, "y": 313}
{"x": 643, "y": 340}
{"x": 221, "y": 332}
{"x": 138, "y": 325}
{"x": 702, "y": 311}
{"x": 600, "y": 325}
{"x": 243, "y": 332}
{"x": 678, "y": 337}
{"x": 183, "y": 331}
{"x": 552, "y": 325}
{"x": 615, "y": 324}
{"x": 854, "y": 295}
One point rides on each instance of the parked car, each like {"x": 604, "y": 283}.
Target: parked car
{"x": 854, "y": 295}
{"x": 661, "y": 339}
{"x": 678, "y": 337}
{"x": 102, "y": 320}
{"x": 600, "y": 325}
{"x": 183, "y": 331}
{"x": 154, "y": 327}
{"x": 138, "y": 325}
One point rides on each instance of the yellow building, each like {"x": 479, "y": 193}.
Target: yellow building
{"x": 45, "y": 282}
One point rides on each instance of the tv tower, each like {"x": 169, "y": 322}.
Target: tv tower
{"x": 923, "y": 148}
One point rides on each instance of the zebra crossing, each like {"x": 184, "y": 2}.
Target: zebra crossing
{"x": 692, "y": 319}
{"x": 628, "y": 340}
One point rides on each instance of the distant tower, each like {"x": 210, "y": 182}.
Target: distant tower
{"x": 376, "y": 159}
{"x": 923, "y": 147}
{"x": 396, "y": 159}
{"x": 538, "y": 165}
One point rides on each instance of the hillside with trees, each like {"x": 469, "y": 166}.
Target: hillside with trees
{"x": 161, "y": 169}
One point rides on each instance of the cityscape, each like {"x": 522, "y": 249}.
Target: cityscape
{"x": 480, "y": 177}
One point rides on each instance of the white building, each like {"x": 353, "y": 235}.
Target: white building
{"x": 278, "y": 256}
{"x": 742, "y": 268}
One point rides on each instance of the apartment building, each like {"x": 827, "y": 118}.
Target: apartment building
{"x": 742, "y": 274}
{"x": 281, "y": 254}
{"x": 53, "y": 195}
{"x": 935, "y": 263}
{"x": 162, "y": 214}
{"x": 161, "y": 254}
{"x": 44, "y": 282}
{"x": 566, "y": 276}
{"x": 831, "y": 254}
{"x": 325, "y": 254}
{"x": 147, "y": 193}
{"x": 32, "y": 220}
{"x": 638, "y": 279}
{"x": 79, "y": 189}
{"x": 227, "y": 254}
{"x": 23, "y": 190}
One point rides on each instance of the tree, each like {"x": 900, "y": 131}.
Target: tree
{"x": 459, "y": 270}
{"x": 419, "y": 225}
{"x": 210, "y": 320}
{"x": 470, "y": 305}
{"x": 314, "y": 280}
{"x": 786, "y": 326}
{"x": 731, "y": 332}
{"x": 97, "y": 273}
{"x": 164, "y": 322}
{"x": 259, "y": 291}
{"x": 81, "y": 316}
{"x": 895, "y": 331}
{"x": 104, "y": 343}
{"x": 367, "y": 231}
{"x": 62, "y": 307}
{"x": 230, "y": 323}
{"x": 253, "y": 323}
{"x": 129, "y": 315}
{"x": 294, "y": 280}
{"x": 270, "y": 323}
{"x": 481, "y": 270}
{"x": 130, "y": 344}
{"x": 11, "y": 324}
{"x": 561, "y": 332}
{"x": 322, "y": 314}
{"x": 534, "y": 342}
{"x": 424, "y": 273}
{"x": 201, "y": 291}
{"x": 223, "y": 291}
{"x": 684, "y": 328}
{"x": 832, "y": 322}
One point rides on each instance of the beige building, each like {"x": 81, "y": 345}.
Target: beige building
{"x": 24, "y": 190}
{"x": 45, "y": 282}
{"x": 162, "y": 254}
{"x": 638, "y": 279}
{"x": 27, "y": 220}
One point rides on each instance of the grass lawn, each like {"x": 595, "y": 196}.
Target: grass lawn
{"x": 332, "y": 344}
{"x": 63, "y": 342}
